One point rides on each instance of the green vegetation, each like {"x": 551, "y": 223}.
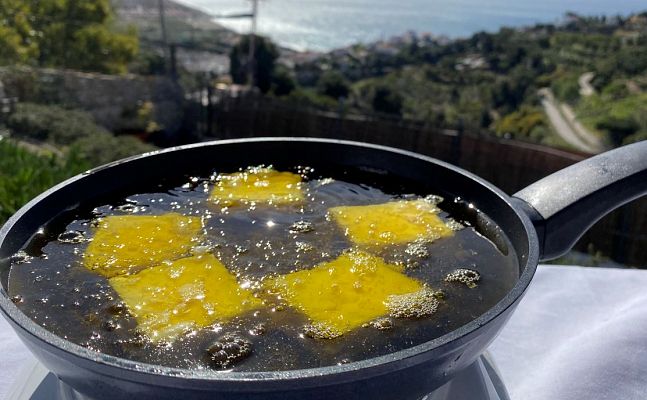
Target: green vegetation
{"x": 311, "y": 98}
{"x": 265, "y": 55}
{"x": 101, "y": 149}
{"x": 387, "y": 101}
{"x": 28, "y": 167}
{"x": 76, "y": 129}
{"x": 52, "y": 142}
{"x": 282, "y": 81}
{"x": 527, "y": 122}
{"x": 53, "y": 124}
{"x": 489, "y": 83}
{"x": 74, "y": 34}
{"x": 564, "y": 85}
{"x": 333, "y": 84}
{"x": 23, "y": 175}
{"x": 622, "y": 116}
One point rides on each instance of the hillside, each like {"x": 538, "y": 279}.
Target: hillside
{"x": 497, "y": 83}
{"x": 202, "y": 44}
{"x": 139, "y": 8}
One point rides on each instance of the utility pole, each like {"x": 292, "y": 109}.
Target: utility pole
{"x": 252, "y": 45}
{"x": 165, "y": 49}
{"x": 251, "y": 58}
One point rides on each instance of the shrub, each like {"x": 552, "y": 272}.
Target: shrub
{"x": 103, "y": 148}
{"x": 52, "y": 123}
{"x": 333, "y": 84}
{"x": 618, "y": 128}
{"x": 282, "y": 82}
{"x": 566, "y": 89}
{"x": 616, "y": 90}
{"x": 91, "y": 143}
{"x": 23, "y": 175}
{"x": 524, "y": 123}
{"x": 636, "y": 137}
{"x": 387, "y": 101}
{"x": 309, "y": 98}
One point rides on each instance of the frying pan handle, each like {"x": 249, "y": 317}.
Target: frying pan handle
{"x": 564, "y": 205}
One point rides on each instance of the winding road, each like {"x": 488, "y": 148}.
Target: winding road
{"x": 563, "y": 119}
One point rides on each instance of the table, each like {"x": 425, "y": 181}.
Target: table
{"x": 579, "y": 333}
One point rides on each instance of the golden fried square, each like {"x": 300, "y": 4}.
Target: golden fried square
{"x": 342, "y": 294}
{"x": 395, "y": 222}
{"x": 259, "y": 185}
{"x": 190, "y": 293}
{"x": 127, "y": 243}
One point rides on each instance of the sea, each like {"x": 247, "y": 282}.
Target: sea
{"x": 322, "y": 25}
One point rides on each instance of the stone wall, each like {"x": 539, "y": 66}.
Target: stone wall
{"x": 113, "y": 100}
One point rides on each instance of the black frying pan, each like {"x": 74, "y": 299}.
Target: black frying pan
{"x": 542, "y": 221}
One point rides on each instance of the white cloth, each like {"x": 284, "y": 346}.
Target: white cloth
{"x": 579, "y": 333}
{"x": 13, "y": 357}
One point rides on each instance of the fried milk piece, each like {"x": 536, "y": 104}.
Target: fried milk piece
{"x": 125, "y": 244}
{"x": 189, "y": 293}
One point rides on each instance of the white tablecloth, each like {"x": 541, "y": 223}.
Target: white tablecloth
{"x": 579, "y": 333}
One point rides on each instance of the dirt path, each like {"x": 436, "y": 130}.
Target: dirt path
{"x": 563, "y": 119}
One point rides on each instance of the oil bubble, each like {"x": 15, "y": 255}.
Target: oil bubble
{"x": 301, "y": 227}
{"x": 303, "y": 247}
{"x": 229, "y": 349}
{"x": 72, "y": 237}
{"x": 454, "y": 225}
{"x": 417, "y": 249}
{"x": 21, "y": 257}
{"x": 110, "y": 325}
{"x": 463, "y": 275}
{"x": 240, "y": 249}
{"x": 321, "y": 330}
{"x": 434, "y": 199}
{"x": 258, "y": 329}
{"x": 381, "y": 324}
{"x": 130, "y": 208}
{"x": 117, "y": 308}
{"x": 413, "y": 305}
{"x": 323, "y": 182}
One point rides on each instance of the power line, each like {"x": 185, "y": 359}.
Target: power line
{"x": 162, "y": 16}
{"x": 252, "y": 44}
{"x": 252, "y": 37}
{"x": 251, "y": 61}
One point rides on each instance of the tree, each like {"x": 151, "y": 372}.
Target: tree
{"x": 521, "y": 123}
{"x": 72, "y": 34}
{"x": 333, "y": 84}
{"x": 265, "y": 55}
{"x": 387, "y": 101}
{"x": 618, "y": 128}
{"x": 282, "y": 82}
{"x": 17, "y": 39}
